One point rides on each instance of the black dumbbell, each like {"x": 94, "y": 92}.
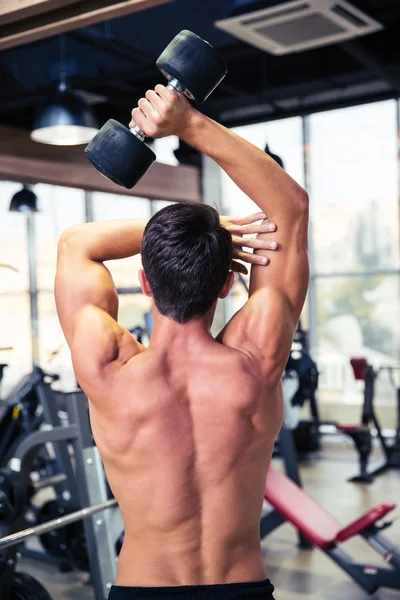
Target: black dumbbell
{"x": 193, "y": 68}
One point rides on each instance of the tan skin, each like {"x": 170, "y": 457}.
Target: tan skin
{"x": 186, "y": 426}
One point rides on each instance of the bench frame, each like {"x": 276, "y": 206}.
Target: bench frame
{"x": 368, "y": 576}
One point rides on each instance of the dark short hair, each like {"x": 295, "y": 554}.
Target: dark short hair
{"x": 186, "y": 255}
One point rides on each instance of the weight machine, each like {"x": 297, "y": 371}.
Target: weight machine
{"x": 361, "y": 434}
{"x": 101, "y": 532}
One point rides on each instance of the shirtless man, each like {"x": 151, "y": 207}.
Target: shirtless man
{"x": 186, "y": 427}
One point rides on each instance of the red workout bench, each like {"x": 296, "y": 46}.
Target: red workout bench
{"x": 323, "y": 530}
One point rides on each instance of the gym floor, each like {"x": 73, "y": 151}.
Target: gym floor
{"x": 296, "y": 574}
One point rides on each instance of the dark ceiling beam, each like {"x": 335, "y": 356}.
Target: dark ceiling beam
{"x": 68, "y": 17}
{"x": 234, "y": 91}
{"x": 370, "y": 62}
{"x": 13, "y": 10}
{"x": 26, "y": 98}
{"x": 125, "y": 98}
{"x": 26, "y": 161}
{"x": 272, "y": 95}
{"x": 263, "y": 114}
{"x": 111, "y": 45}
{"x": 299, "y": 89}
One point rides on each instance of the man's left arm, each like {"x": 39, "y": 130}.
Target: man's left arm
{"x": 86, "y": 297}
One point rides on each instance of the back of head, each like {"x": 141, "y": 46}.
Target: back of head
{"x": 186, "y": 255}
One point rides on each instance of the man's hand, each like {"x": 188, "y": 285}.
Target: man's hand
{"x": 241, "y": 226}
{"x": 162, "y": 112}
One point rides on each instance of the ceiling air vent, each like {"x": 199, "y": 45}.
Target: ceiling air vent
{"x": 300, "y": 25}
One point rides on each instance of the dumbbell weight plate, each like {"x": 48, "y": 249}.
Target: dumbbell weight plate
{"x": 119, "y": 155}
{"x": 194, "y": 63}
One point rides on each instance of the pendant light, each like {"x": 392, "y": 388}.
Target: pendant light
{"x": 24, "y": 201}
{"x": 64, "y": 119}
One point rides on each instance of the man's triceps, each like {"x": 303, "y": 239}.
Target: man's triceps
{"x": 80, "y": 283}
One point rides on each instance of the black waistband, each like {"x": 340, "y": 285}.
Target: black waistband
{"x": 228, "y": 591}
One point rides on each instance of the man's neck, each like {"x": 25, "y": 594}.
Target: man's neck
{"x": 169, "y": 334}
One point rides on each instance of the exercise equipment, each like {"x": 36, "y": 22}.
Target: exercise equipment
{"x": 193, "y": 68}
{"x": 24, "y": 410}
{"x": 13, "y": 497}
{"x": 66, "y": 542}
{"x": 63, "y": 521}
{"x": 361, "y": 434}
{"x": 95, "y": 546}
{"x": 300, "y": 384}
{"x": 321, "y": 529}
{"x": 26, "y": 587}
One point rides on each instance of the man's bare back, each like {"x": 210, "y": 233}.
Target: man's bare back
{"x": 186, "y": 447}
{"x": 186, "y": 428}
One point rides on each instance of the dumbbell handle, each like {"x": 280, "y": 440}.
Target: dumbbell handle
{"x": 173, "y": 84}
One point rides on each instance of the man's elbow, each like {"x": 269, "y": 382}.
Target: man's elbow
{"x": 301, "y": 205}
{"x": 303, "y": 199}
{"x": 71, "y": 238}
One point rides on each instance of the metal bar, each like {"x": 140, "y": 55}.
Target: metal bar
{"x": 398, "y": 162}
{"x": 389, "y": 551}
{"x": 312, "y": 292}
{"x": 39, "y": 438}
{"x": 345, "y": 562}
{"x": 212, "y": 195}
{"x": 83, "y": 446}
{"x": 104, "y": 535}
{"x": 33, "y": 291}
{"x": 381, "y": 576}
{"x": 67, "y": 489}
{"x": 83, "y": 513}
{"x": 89, "y": 208}
{"x": 51, "y": 481}
{"x": 270, "y": 522}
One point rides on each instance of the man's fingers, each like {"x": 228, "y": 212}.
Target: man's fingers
{"x": 249, "y": 257}
{"x": 148, "y": 109}
{"x": 238, "y": 267}
{"x": 166, "y": 95}
{"x": 256, "y": 243}
{"x": 249, "y": 218}
{"x": 260, "y": 228}
{"x": 156, "y": 101}
{"x": 138, "y": 118}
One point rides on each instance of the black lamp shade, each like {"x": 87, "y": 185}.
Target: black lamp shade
{"x": 64, "y": 120}
{"x": 24, "y": 201}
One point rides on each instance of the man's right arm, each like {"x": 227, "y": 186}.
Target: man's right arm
{"x": 265, "y": 325}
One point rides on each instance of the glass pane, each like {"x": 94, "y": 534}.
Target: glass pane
{"x": 357, "y": 317}
{"x": 284, "y": 139}
{"x": 239, "y": 297}
{"x": 132, "y": 310}
{"x": 159, "y": 204}
{"x": 114, "y": 206}
{"x": 354, "y": 188}
{"x": 13, "y": 258}
{"x": 125, "y": 271}
{"x": 15, "y": 334}
{"x": 60, "y": 207}
{"x": 55, "y": 356}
